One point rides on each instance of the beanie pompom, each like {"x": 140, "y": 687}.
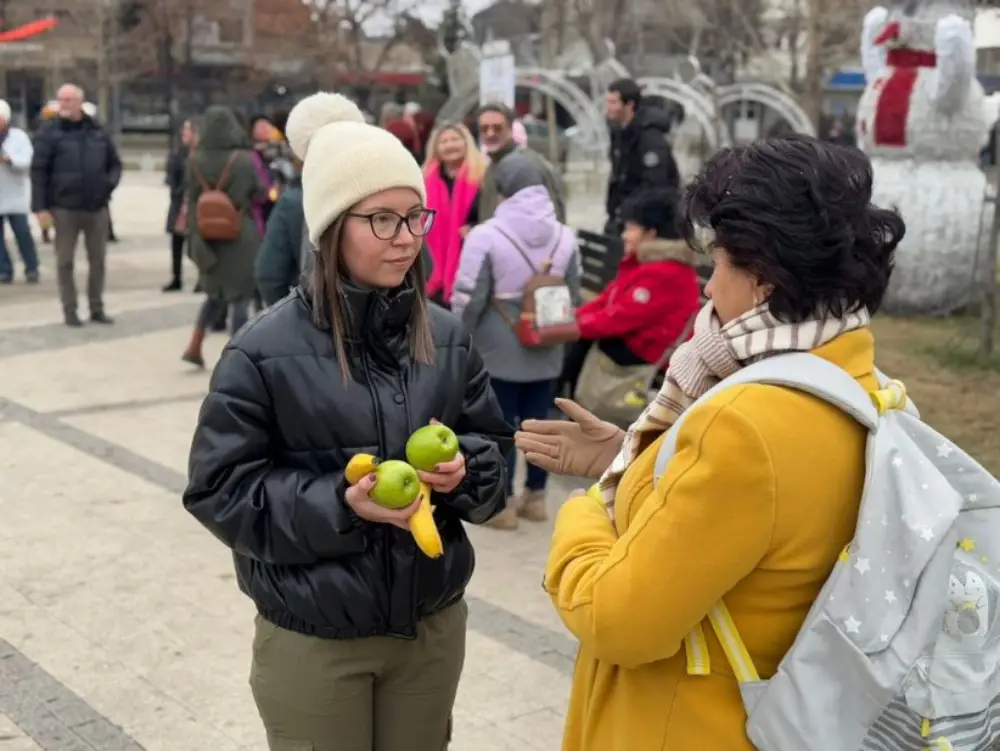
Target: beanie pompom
{"x": 314, "y": 112}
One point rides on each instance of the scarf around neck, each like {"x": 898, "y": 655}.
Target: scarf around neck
{"x": 715, "y": 352}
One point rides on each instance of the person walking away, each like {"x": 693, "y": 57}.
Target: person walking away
{"x": 393, "y": 120}
{"x": 178, "y": 212}
{"x": 522, "y": 240}
{"x": 768, "y": 479}
{"x": 359, "y": 636}
{"x": 453, "y": 173}
{"x": 495, "y": 127}
{"x": 646, "y": 308}
{"x": 15, "y": 197}
{"x": 221, "y": 163}
{"x": 74, "y": 170}
{"x": 285, "y": 256}
{"x": 641, "y": 157}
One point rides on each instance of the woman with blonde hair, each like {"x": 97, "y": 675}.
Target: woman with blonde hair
{"x": 453, "y": 172}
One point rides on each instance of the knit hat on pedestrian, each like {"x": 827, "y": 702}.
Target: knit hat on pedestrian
{"x": 345, "y": 160}
{"x": 515, "y": 172}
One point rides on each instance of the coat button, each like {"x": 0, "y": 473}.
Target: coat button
{"x": 399, "y": 399}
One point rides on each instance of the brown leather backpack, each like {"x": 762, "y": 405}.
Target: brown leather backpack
{"x": 547, "y": 314}
{"x": 216, "y": 218}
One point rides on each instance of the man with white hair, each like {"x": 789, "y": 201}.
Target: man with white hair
{"x": 75, "y": 169}
{"x": 15, "y": 197}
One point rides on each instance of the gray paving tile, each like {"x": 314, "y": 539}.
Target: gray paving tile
{"x": 54, "y": 336}
{"x": 49, "y": 713}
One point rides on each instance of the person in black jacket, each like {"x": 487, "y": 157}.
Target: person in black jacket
{"x": 177, "y": 213}
{"x": 641, "y": 157}
{"x": 73, "y": 173}
{"x": 357, "y": 631}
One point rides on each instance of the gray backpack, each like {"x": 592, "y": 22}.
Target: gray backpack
{"x": 901, "y": 650}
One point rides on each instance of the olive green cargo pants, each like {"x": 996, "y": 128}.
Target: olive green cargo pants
{"x": 374, "y": 694}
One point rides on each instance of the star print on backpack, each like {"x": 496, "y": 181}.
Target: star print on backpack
{"x": 901, "y": 650}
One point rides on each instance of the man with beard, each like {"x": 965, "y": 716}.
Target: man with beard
{"x": 495, "y": 126}
{"x": 641, "y": 158}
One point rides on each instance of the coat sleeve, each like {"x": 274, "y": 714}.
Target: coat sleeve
{"x": 277, "y": 263}
{"x": 486, "y": 440}
{"x": 657, "y": 167}
{"x": 631, "y": 600}
{"x": 469, "y": 297}
{"x": 275, "y": 515}
{"x": 644, "y": 300}
{"x": 41, "y": 169}
{"x": 19, "y": 150}
{"x": 113, "y": 165}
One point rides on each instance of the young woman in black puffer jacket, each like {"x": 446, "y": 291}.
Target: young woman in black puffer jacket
{"x": 357, "y": 631}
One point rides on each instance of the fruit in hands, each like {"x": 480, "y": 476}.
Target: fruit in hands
{"x": 422, "y": 527}
{"x": 430, "y": 446}
{"x": 396, "y": 484}
{"x": 594, "y": 491}
{"x": 400, "y": 476}
{"x": 359, "y": 466}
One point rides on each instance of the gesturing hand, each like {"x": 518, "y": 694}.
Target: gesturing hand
{"x": 361, "y": 503}
{"x": 582, "y": 446}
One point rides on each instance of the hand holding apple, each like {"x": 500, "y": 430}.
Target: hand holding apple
{"x": 434, "y": 451}
{"x": 358, "y": 497}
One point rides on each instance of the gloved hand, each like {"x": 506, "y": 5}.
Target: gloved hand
{"x": 582, "y": 446}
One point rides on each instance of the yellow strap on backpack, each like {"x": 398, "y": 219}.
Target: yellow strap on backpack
{"x": 696, "y": 649}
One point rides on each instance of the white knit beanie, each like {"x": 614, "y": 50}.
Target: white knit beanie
{"x": 344, "y": 159}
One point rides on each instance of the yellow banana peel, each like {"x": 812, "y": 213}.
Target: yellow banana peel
{"x": 422, "y": 527}
{"x": 359, "y": 466}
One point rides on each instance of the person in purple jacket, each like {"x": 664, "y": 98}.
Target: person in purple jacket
{"x": 498, "y": 258}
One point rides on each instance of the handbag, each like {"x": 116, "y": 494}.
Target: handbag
{"x": 619, "y": 393}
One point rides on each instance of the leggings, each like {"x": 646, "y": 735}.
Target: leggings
{"x": 213, "y": 308}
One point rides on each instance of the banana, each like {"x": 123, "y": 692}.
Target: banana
{"x": 359, "y": 466}
{"x": 423, "y": 528}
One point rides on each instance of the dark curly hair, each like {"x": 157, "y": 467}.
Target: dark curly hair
{"x": 796, "y": 213}
{"x": 654, "y": 209}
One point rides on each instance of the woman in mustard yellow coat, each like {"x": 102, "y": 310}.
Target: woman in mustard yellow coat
{"x": 763, "y": 490}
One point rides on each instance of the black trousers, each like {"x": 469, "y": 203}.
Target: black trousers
{"x": 176, "y": 256}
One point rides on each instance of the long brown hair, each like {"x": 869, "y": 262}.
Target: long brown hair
{"x": 330, "y": 308}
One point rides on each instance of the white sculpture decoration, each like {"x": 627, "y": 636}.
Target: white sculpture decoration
{"x": 922, "y": 121}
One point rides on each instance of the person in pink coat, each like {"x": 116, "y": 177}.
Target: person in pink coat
{"x": 453, "y": 172}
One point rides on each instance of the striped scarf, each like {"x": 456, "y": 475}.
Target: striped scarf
{"x": 714, "y": 352}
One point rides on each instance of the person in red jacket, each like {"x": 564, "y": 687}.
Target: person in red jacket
{"x": 646, "y": 307}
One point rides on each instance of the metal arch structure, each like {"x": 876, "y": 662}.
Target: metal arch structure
{"x": 594, "y": 136}
{"x": 770, "y": 97}
{"x": 695, "y": 103}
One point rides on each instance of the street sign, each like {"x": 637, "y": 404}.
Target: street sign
{"x": 497, "y": 74}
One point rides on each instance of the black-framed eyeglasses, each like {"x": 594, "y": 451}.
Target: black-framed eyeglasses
{"x": 387, "y": 224}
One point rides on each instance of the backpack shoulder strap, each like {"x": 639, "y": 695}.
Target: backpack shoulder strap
{"x": 517, "y": 246}
{"x": 799, "y": 370}
{"x": 199, "y": 177}
{"x": 225, "y": 171}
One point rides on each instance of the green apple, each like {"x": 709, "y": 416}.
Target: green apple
{"x": 430, "y": 446}
{"x": 396, "y": 484}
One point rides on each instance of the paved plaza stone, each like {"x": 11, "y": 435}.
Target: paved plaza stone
{"x": 121, "y": 626}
